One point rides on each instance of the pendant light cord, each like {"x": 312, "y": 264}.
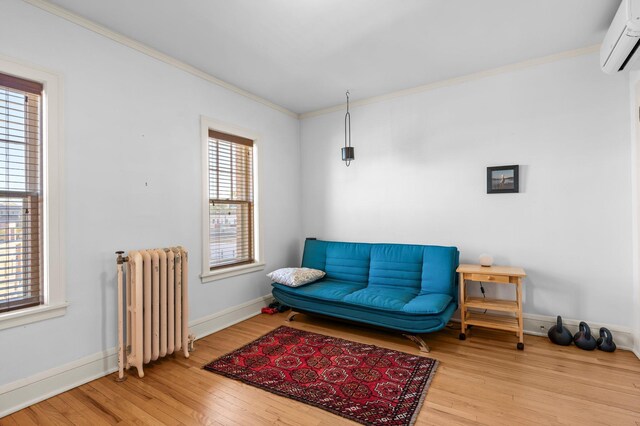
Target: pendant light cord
{"x": 347, "y": 123}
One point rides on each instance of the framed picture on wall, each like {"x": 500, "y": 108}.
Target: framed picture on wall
{"x": 501, "y": 179}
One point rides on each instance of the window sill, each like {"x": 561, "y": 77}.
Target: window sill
{"x": 231, "y": 272}
{"x": 29, "y": 315}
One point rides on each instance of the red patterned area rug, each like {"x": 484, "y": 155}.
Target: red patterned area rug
{"x": 365, "y": 383}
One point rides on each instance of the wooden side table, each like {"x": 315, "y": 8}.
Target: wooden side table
{"x": 502, "y": 321}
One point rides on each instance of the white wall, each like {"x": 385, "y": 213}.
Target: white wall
{"x": 420, "y": 177}
{"x": 133, "y": 176}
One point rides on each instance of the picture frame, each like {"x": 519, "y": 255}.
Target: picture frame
{"x": 503, "y": 179}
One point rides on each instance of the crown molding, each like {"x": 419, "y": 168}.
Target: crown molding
{"x": 149, "y": 51}
{"x": 530, "y": 63}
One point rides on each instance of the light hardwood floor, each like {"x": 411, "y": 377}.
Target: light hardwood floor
{"x": 482, "y": 380}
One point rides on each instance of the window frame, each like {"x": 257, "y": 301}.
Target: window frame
{"x": 29, "y": 197}
{"x": 53, "y": 266}
{"x": 258, "y": 264}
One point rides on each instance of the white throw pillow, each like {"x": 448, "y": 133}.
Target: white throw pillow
{"x": 295, "y": 277}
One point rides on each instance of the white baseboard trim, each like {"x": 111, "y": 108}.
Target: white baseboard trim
{"x": 22, "y": 393}
{"x": 25, "y": 392}
{"x": 226, "y": 318}
{"x": 538, "y": 325}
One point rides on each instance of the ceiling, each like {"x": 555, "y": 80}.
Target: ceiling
{"x": 304, "y": 54}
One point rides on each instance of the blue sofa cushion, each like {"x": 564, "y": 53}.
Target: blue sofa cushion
{"x": 315, "y": 254}
{"x": 390, "y": 299}
{"x": 348, "y": 262}
{"x": 330, "y": 290}
{"x": 439, "y": 270}
{"x": 433, "y": 303}
{"x": 397, "y": 266}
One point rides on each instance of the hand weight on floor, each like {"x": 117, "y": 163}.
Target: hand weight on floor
{"x": 583, "y": 338}
{"x": 605, "y": 341}
{"x": 559, "y": 334}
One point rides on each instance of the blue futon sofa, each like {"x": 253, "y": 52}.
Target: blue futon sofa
{"x": 408, "y": 288}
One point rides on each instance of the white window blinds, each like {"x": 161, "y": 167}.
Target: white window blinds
{"x": 231, "y": 204}
{"x": 20, "y": 193}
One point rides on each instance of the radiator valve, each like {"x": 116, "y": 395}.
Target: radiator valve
{"x": 192, "y": 340}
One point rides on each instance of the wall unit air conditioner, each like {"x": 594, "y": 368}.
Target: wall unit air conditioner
{"x": 621, "y": 45}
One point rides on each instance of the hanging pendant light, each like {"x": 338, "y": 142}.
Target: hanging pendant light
{"x": 347, "y": 152}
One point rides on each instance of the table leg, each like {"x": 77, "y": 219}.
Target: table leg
{"x": 520, "y": 323}
{"x": 463, "y": 325}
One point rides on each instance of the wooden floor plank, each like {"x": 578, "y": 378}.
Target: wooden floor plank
{"x": 9, "y": 421}
{"x": 181, "y": 412}
{"x": 67, "y": 412}
{"x": 48, "y": 414}
{"x": 39, "y": 413}
{"x": 140, "y": 408}
{"x": 105, "y": 413}
{"x": 82, "y": 410}
{"x": 482, "y": 380}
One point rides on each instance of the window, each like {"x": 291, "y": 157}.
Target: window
{"x": 20, "y": 193}
{"x": 231, "y": 242}
{"x": 230, "y": 200}
{"x": 31, "y": 244}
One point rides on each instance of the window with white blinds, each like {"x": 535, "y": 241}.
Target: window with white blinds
{"x": 20, "y": 193}
{"x": 231, "y": 204}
